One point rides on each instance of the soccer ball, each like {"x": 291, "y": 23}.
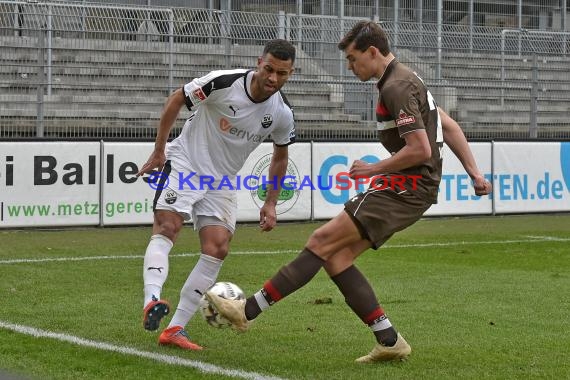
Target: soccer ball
{"x": 226, "y": 290}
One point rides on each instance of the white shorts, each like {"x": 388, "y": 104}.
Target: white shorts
{"x": 204, "y": 207}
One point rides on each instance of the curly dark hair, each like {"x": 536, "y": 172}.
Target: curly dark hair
{"x": 280, "y": 49}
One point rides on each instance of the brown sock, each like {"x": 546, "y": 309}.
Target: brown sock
{"x": 287, "y": 280}
{"x": 360, "y": 297}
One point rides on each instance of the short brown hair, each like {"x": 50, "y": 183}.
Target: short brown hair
{"x": 365, "y": 34}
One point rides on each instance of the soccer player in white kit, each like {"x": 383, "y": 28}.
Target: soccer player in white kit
{"x": 234, "y": 111}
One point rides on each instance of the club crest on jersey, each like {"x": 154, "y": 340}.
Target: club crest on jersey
{"x": 404, "y": 119}
{"x": 267, "y": 120}
{"x": 170, "y": 197}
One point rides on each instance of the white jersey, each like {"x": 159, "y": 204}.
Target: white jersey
{"x": 227, "y": 124}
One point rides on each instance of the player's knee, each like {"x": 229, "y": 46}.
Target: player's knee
{"x": 219, "y": 250}
{"x": 337, "y": 264}
{"x": 317, "y": 240}
{"x": 169, "y": 229}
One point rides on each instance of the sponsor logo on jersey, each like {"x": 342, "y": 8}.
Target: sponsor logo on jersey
{"x": 227, "y": 127}
{"x": 404, "y": 119}
{"x": 267, "y": 120}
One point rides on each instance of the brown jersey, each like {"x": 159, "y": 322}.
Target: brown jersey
{"x": 405, "y": 105}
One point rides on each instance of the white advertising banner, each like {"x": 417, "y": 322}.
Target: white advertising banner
{"x": 456, "y": 194}
{"x": 295, "y": 197}
{"x": 126, "y": 199}
{"x": 76, "y": 183}
{"x": 330, "y": 162}
{"x": 49, "y": 184}
{"x": 531, "y": 176}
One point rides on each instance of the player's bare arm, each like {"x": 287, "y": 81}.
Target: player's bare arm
{"x": 416, "y": 151}
{"x": 169, "y": 115}
{"x": 455, "y": 139}
{"x": 277, "y": 169}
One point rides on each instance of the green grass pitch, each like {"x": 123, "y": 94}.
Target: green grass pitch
{"x": 477, "y": 298}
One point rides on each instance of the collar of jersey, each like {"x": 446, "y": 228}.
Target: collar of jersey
{"x": 247, "y": 91}
{"x": 386, "y": 72}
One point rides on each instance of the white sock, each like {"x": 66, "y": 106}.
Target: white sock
{"x": 155, "y": 270}
{"x": 203, "y": 276}
{"x": 261, "y": 301}
{"x": 382, "y": 324}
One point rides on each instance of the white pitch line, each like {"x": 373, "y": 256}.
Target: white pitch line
{"x": 535, "y": 239}
{"x": 130, "y": 257}
{"x": 547, "y": 238}
{"x": 168, "y": 359}
{"x": 531, "y": 239}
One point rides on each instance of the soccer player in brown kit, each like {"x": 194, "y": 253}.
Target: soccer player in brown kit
{"x": 411, "y": 129}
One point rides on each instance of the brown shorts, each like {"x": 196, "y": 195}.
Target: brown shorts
{"x": 378, "y": 214}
